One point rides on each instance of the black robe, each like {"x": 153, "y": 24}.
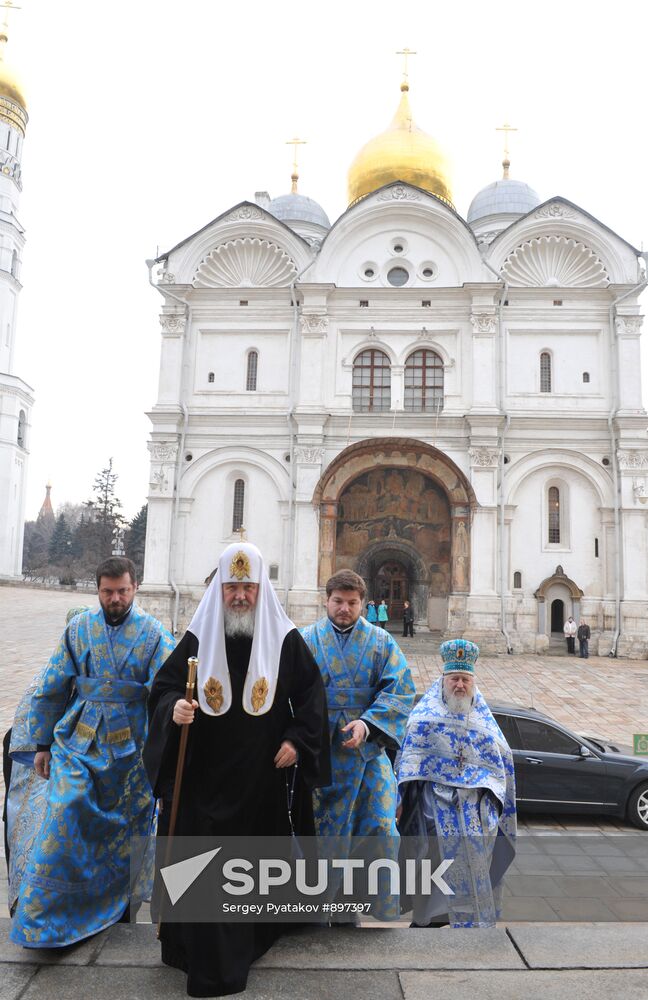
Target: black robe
{"x": 231, "y": 787}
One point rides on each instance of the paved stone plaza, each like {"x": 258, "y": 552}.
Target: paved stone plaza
{"x": 598, "y": 695}
{"x": 592, "y": 959}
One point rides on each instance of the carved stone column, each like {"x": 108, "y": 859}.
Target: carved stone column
{"x": 460, "y": 580}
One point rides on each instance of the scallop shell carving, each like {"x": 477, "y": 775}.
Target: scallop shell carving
{"x": 245, "y": 263}
{"x": 554, "y": 262}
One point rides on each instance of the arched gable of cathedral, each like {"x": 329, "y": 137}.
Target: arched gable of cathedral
{"x": 244, "y": 247}
{"x": 438, "y": 249}
{"x": 553, "y": 460}
{"x": 238, "y": 457}
{"x": 559, "y": 244}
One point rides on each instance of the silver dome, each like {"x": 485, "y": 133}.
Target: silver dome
{"x": 505, "y": 197}
{"x": 298, "y": 208}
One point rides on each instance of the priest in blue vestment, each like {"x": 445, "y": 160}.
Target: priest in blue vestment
{"x": 370, "y": 692}
{"x": 88, "y": 720}
{"x": 457, "y": 786}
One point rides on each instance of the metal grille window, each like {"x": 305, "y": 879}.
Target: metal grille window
{"x": 517, "y": 580}
{"x": 554, "y": 514}
{"x": 371, "y": 382}
{"x": 424, "y": 382}
{"x": 20, "y": 438}
{"x": 545, "y": 372}
{"x": 252, "y": 366}
{"x": 239, "y": 503}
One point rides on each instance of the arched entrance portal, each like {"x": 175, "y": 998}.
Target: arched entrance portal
{"x": 558, "y": 598}
{"x": 557, "y": 615}
{"x": 398, "y": 512}
{"x": 391, "y": 584}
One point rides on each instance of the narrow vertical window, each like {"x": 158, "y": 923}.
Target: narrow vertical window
{"x": 596, "y": 555}
{"x": 210, "y": 377}
{"x": 371, "y": 382}
{"x": 586, "y": 377}
{"x": 252, "y": 366}
{"x": 239, "y": 503}
{"x": 554, "y": 515}
{"x": 20, "y": 437}
{"x": 545, "y": 372}
{"x": 517, "y": 580}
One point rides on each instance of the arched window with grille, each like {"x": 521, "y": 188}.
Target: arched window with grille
{"x": 424, "y": 382}
{"x": 371, "y": 382}
{"x": 20, "y": 437}
{"x": 252, "y": 369}
{"x": 545, "y": 372}
{"x": 553, "y": 536}
{"x": 517, "y": 580}
{"x": 238, "y": 505}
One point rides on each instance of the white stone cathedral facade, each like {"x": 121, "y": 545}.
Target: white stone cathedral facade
{"x": 450, "y": 406}
{"x": 16, "y": 397}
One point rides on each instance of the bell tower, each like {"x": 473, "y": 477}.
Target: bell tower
{"x": 16, "y": 398}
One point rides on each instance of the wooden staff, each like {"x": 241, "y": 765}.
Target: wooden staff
{"x": 192, "y": 669}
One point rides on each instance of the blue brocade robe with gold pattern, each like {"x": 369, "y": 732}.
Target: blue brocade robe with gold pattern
{"x": 366, "y": 678}
{"x": 90, "y": 706}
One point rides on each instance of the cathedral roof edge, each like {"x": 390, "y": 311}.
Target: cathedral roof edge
{"x": 559, "y": 199}
{"x": 219, "y": 218}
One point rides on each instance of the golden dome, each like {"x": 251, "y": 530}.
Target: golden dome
{"x": 11, "y": 92}
{"x": 403, "y": 152}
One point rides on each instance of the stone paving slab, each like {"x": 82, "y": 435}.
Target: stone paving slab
{"x": 583, "y": 946}
{"x": 14, "y": 979}
{"x": 402, "y": 948}
{"x": 160, "y": 984}
{"x": 130, "y": 944}
{"x": 524, "y": 985}
{"x": 78, "y": 954}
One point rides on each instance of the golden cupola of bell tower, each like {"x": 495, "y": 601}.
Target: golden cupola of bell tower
{"x": 403, "y": 152}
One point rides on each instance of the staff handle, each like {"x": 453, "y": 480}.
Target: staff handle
{"x": 192, "y": 669}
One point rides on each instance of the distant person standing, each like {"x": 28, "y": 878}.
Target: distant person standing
{"x": 372, "y": 614}
{"x": 584, "y": 635}
{"x": 569, "y": 631}
{"x": 408, "y": 620}
{"x": 383, "y": 614}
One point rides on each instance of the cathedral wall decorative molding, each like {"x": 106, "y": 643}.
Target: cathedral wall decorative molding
{"x": 484, "y": 458}
{"x": 629, "y": 460}
{"x": 555, "y": 211}
{"x": 554, "y": 262}
{"x": 246, "y": 262}
{"x": 314, "y": 325}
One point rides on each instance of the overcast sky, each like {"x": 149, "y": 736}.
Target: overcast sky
{"x": 149, "y": 119}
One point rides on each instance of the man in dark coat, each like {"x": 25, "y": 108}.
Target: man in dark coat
{"x": 408, "y": 620}
{"x": 258, "y": 736}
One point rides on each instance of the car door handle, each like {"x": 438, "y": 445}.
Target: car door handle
{"x": 533, "y": 760}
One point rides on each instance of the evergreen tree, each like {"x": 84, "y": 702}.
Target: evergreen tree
{"x": 135, "y": 539}
{"x": 60, "y": 546}
{"x": 104, "y": 510}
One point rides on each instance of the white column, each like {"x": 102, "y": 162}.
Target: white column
{"x": 629, "y": 359}
{"x": 484, "y": 391}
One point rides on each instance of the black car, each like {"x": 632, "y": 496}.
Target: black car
{"x": 559, "y": 771}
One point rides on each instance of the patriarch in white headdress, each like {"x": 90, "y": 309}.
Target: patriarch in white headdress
{"x": 250, "y": 607}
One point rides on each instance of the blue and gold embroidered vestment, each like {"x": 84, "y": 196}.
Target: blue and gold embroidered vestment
{"x": 90, "y": 706}
{"x": 366, "y": 677}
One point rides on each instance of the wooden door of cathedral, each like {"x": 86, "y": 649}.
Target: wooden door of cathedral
{"x": 392, "y": 585}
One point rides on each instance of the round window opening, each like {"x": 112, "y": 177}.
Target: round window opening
{"x": 369, "y": 273}
{"x": 398, "y": 247}
{"x": 398, "y": 276}
{"x": 428, "y": 272}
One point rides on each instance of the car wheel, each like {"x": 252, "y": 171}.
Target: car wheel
{"x": 638, "y": 807}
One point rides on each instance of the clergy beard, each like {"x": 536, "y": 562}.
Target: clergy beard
{"x": 238, "y": 623}
{"x": 458, "y": 704}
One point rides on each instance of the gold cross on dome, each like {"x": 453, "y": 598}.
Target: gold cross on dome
{"x": 294, "y": 177}
{"x": 8, "y": 5}
{"x": 406, "y": 53}
{"x": 506, "y": 163}
{"x": 241, "y": 533}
